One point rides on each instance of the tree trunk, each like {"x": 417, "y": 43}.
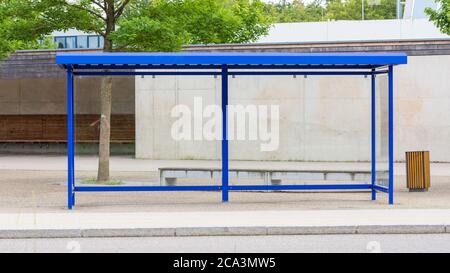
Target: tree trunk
{"x": 105, "y": 129}
{"x": 106, "y": 102}
{"x": 105, "y": 122}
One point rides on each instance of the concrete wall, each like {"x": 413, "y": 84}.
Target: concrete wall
{"x": 321, "y": 118}
{"x": 32, "y": 84}
{"x": 47, "y": 96}
{"x": 353, "y": 30}
{"x": 422, "y": 106}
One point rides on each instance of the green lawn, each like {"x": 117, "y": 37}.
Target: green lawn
{"x": 95, "y": 182}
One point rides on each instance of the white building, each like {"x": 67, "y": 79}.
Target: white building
{"x": 342, "y": 31}
{"x": 73, "y": 39}
{"x": 414, "y": 25}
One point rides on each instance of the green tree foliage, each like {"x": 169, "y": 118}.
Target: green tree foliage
{"x": 441, "y": 16}
{"x": 352, "y": 9}
{"x": 21, "y": 27}
{"x": 189, "y": 22}
{"x": 135, "y": 25}
{"x": 285, "y": 11}
{"x": 320, "y": 10}
{"x": 131, "y": 25}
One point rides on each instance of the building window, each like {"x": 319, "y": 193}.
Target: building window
{"x": 82, "y": 42}
{"x": 71, "y": 42}
{"x": 60, "y": 42}
{"x": 93, "y": 41}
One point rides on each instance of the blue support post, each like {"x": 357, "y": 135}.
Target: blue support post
{"x": 391, "y": 135}
{"x": 224, "y": 134}
{"x": 373, "y": 108}
{"x": 70, "y": 140}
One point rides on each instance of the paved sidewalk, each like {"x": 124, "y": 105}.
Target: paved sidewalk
{"x": 38, "y": 184}
{"x": 76, "y": 224}
{"x": 33, "y": 204}
{"x": 129, "y": 164}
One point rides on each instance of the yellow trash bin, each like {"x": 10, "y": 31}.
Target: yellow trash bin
{"x": 418, "y": 170}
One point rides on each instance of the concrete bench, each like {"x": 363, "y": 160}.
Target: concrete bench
{"x": 168, "y": 176}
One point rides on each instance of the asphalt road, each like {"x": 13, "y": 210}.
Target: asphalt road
{"x": 230, "y": 244}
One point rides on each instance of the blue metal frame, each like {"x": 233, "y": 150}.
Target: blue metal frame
{"x": 228, "y": 188}
{"x": 70, "y": 141}
{"x": 231, "y": 73}
{"x": 373, "y": 131}
{"x": 224, "y": 134}
{"x": 231, "y": 58}
{"x": 224, "y": 65}
{"x": 218, "y": 67}
{"x": 391, "y": 134}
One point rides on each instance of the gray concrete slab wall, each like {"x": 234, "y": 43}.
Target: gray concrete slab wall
{"x": 47, "y": 96}
{"x": 321, "y": 118}
{"x": 422, "y": 107}
{"x": 31, "y": 83}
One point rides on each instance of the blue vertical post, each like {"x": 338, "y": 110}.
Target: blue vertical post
{"x": 70, "y": 140}
{"x": 373, "y": 108}
{"x": 391, "y": 134}
{"x": 224, "y": 134}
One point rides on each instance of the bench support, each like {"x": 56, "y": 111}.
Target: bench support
{"x": 170, "y": 181}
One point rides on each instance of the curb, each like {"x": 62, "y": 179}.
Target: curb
{"x": 222, "y": 231}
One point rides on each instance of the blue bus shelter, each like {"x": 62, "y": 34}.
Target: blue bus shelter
{"x": 227, "y": 64}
